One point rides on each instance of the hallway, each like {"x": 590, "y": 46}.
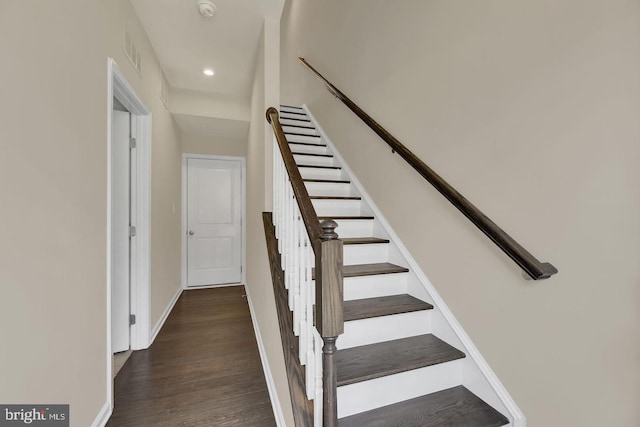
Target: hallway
{"x": 203, "y": 369}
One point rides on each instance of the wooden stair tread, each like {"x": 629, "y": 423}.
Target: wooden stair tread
{"x": 309, "y": 144}
{"x": 456, "y": 406}
{"x": 293, "y": 112}
{"x": 319, "y": 166}
{"x": 391, "y": 357}
{"x": 337, "y": 181}
{"x": 335, "y": 198}
{"x": 357, "y": 270}
{"x": 291, "y": 106}
{"x": 383, "y": 306}
{"x": 312, "y": 154}
{"x": 345, "y": 217}
{"x": 291, "y": 118}
{"x": 302, "y": 134}
{"x": 299, "y": 126}
{"x": 372, "y": 269}
{"x": 362, "y": 240}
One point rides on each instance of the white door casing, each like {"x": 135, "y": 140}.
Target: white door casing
{"x": 214, "y": 222}
{"x": 120, "y": 248}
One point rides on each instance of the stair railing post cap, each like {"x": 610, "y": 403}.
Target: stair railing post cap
{"x": 328, "y": 230}
{"x": 270, "y": 111}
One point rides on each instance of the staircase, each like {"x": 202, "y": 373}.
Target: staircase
{"x": 402, "y": 360}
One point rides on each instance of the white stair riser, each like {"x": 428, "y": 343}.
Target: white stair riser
{"x": 284, "y": 109}
{"x": 354, "y": 228}
{"x": 302, "y": 138}
{"x": 284, "y": 122}
{"x": 367, "y": 395}
{"x": 313, "y": 149}
{"x": 321, "y": 173}
{"x": 384, "y": 328}
{"x": 299, "y": 129}
{"x": 365, "y": 254}
{"x": 313, "y": 160}
{"x": 379, "y": 285}
{"x": 328, "y": 188}
{"x": 294, "y": 117}
{"x": 336, "y": 207}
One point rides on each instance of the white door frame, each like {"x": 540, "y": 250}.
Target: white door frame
{"x": 243, "y": 189}
{"x": 119, "y": 87}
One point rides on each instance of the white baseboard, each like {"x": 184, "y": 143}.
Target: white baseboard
{"x": 103, "y": 416}
{"x": 163, "y": 318}
{"x": 224, "y": 285}
{"x": 271, "y": 386}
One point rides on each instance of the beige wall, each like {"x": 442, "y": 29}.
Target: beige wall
{"x": 182, "y": 101}
{"x": 53, "y": 184}
{"x": 259, "y": 284}
{"x": 214, "y": 145}
{"x": 531, "y": 110}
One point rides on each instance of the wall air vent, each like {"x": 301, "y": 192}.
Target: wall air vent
{"x": 132, "y": 52}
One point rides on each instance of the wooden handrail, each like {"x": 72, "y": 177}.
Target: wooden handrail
{"x": 328, "y": 250}
{"x": 532, "y": 267}
{"x": 309, "y": 216}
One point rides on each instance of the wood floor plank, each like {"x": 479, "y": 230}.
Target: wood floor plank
{"x": 319, "y": 167}
{"x": 203, "y": 368}
{"x": 362, "y": 240}
{"x": 355, "y": 270}
{"x": 372, "y": 269}
{"x": 456, "y": 406}
{"x": 382, "y": 306}
{"x": 391, "y": 357}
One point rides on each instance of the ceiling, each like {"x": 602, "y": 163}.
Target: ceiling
{"x": 186, "y": 42}
{"x": 211, "y": 126}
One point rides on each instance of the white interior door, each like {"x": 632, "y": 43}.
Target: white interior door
{"x": 120, "y": 221}
{"x": 214, "y": 222}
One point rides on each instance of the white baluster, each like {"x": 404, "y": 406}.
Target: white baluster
{"x": 285, "y": 238}
{"x": 311, "y": 329}
{"x": 276, "y": 154}
{"x": 295, "y": 259}
{"x": 291, "y": 249}
{"x": 304, "y": 287}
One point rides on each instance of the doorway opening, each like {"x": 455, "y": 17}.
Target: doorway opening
{"x": 213, "y": 226}
{"x": 123, "y": 236}
{"x": 128, "y": 220}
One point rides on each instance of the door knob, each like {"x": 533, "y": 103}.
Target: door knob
{"x": 191, "y": 233}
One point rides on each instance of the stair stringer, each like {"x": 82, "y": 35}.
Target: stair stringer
{"x": 477, "y": 375}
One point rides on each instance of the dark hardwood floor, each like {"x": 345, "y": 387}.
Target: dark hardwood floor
{"x": 203, "y": 369}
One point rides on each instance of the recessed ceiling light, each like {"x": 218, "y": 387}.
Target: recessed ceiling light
{"x": 208, "y": 72}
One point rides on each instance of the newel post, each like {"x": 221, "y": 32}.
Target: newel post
{"x": 329, "y": 312}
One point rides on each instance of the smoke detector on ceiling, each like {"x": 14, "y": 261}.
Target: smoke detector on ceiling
{"x": 206, "y": 8}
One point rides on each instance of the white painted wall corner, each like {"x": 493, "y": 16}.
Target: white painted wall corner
{"x": 103, "y": 416}
{"x": 163, "y": 318}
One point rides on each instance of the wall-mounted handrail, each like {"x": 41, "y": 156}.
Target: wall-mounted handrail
{"x": 328, "y": 314}
{"x": 532, "y": 267}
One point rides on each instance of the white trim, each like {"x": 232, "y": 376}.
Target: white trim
{"x": 271, "y": 385}
{"x": 160, "y": 323}
{"x": 519, "y": 420}
{"x": 117, "y": 86}
{"x": 222, "y": 285}
{"x": 103, "y": 415}
{"x": 183, "y": 257}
